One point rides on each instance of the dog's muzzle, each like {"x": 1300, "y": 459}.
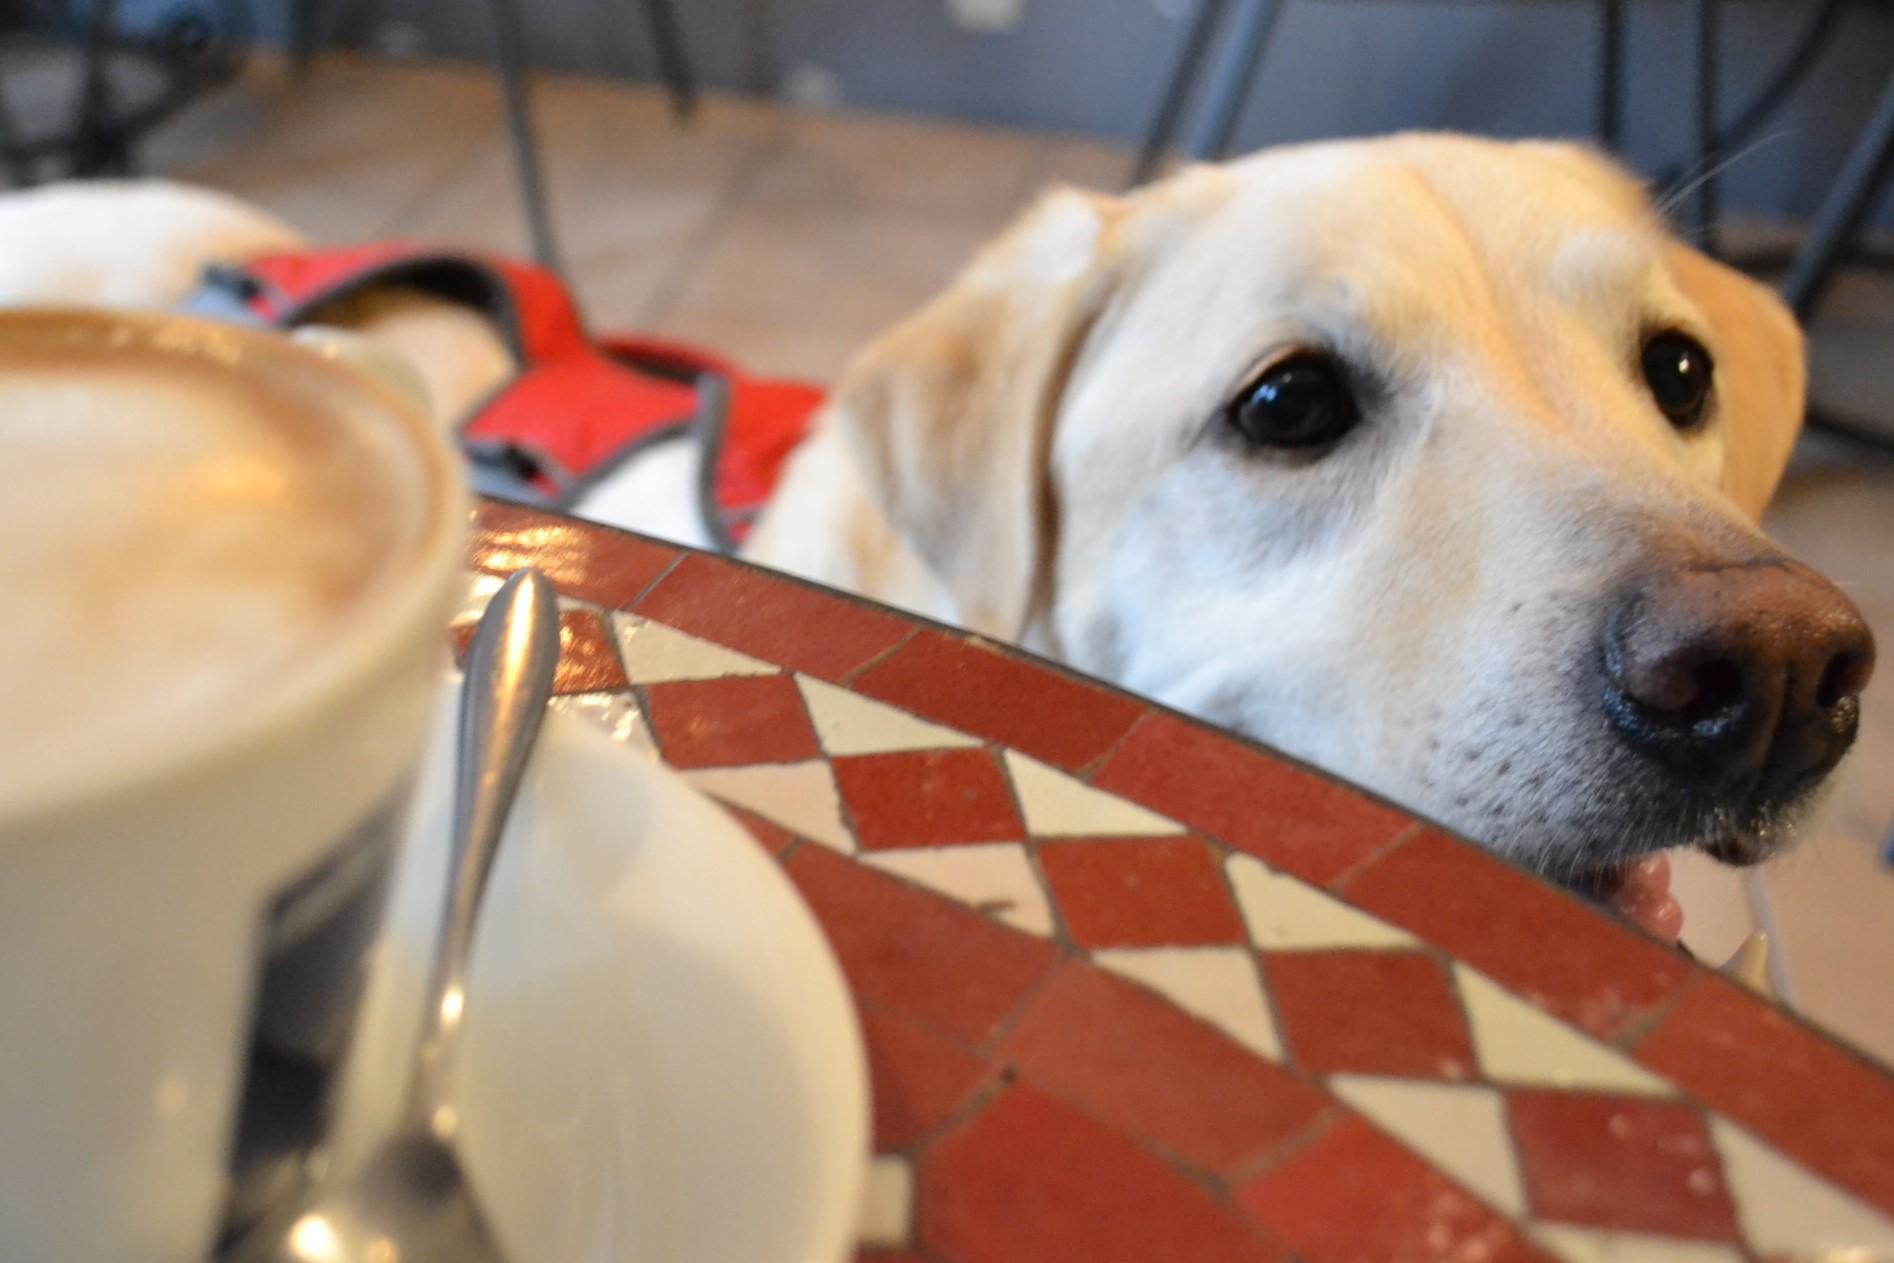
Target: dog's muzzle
{"x": 1742, "y": 681}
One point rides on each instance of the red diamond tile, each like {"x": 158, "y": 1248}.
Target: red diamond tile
{"x": 1356, "y": 1196}
{"x": 927, "y": 798}
{"x": 1537, "y": 941}
{"x": 1291, "y": 818}
{"x": 1141, "y": 892}
{"x": 1031, "y": 707}
{"x": 588, "y": 660}
{"x": 1823, "y": 1105}
{"x": 771, "y": 836}
{"x": 919, "y": 1077}
{"x": 1629, "y": 1164}
{"x": 1032, "y": 1180}
{"x": 732, "y": 722}
{"x": 913, "y": 952}
{"x": 1131, "y": 1059}
{"x": 1362, "y": 1012}
{"x": 773, "y": 618}
{"x": 588, "y": 562}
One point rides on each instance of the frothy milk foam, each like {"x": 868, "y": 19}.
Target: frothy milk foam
{"x": 176, "y": 536}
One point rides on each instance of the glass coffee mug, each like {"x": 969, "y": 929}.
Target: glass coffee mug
{"x": 226, "y": 562}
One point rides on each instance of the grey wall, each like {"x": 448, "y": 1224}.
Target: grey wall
{"x": 1336, "y": 67}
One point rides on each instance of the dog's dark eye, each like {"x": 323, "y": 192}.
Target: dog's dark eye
{"x": 1679, "y": 372}
{"x": 1302, "y": 401}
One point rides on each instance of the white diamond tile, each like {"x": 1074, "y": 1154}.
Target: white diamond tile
{"x": 616, "y": 713}
{"x": 1459, "y": 1128}
{"x": 800, "y": 797}
{"x": 887, "y": 1203}
{"x": 848, "y": 724}
{"x": 1788, "y": 1210}
{"x": 1284, "y": 914}
{"x": 997, "y": 879}
{"x": 1217, "y": 984}
{"x": 1058, "y": 806}
{"x": 1516, "y": 1043}
{"x": 477, "y": 591}
{"x": 656, "y": 654}
{"x": 1591, "y": 1245}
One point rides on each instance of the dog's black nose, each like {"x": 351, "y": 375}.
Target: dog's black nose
{"x": 1740, "y": 678}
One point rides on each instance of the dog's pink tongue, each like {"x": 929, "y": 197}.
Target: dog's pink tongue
{"x": 1646, "y": 902}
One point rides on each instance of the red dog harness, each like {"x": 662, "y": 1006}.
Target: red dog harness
{"x": 577, "y": 409}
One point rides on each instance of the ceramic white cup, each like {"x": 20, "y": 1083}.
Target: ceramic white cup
{"x": 183, "y": 913}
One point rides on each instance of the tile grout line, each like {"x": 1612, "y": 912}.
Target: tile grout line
{"x": 452, "y": 170}
{"x": 669, "y": 288}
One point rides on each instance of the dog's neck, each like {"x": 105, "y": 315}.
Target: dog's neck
{"x": 823, "y": 524}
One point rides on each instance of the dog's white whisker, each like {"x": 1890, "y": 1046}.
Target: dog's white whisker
{"x": 1694, "y": 180}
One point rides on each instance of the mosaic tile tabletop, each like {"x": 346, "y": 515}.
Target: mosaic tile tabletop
{"x": 1134, "y": 990}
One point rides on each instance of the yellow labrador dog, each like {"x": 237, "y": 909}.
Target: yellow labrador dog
{"x": 1431, "y": 460}
{"x": 1434, "y": 461}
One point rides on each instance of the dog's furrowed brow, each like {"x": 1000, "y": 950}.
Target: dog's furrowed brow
{"x": 1605, "y": 273}
{"x": 1389, "y": 311}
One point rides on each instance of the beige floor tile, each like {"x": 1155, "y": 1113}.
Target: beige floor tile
{"x": 1831, "y": 901}
{"x": 771, "y": 348}
{"x": 630, "y": 191}
{"x": 1082, "y": 162}
{"x": 847, "y": 225}
{"x": 798, "y": 291}
{"x": 1718, "y": 911}
{"x": 842, "y": 164}
{"x": 343, "y": 155}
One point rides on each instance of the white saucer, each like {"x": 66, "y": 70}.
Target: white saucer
{"x": 662, "y": 1061}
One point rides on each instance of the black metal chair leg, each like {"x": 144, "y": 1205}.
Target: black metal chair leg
{"x": 98, "y": 148}
{"x": 305, "y": 35}
{"x": 13, "y": 153}
{"x": 1230, "y": 87}
{"x": 1177, "y": 91}
{"x": 1611, "y": 74}
{"x": 509, "y": 65}
{"x": 1862, "y": 181}
{"x": 1703, "y": 200}
{"x": 667, "y": 42}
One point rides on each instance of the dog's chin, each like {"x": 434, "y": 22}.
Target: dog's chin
{"x": 1738, "y": 845}
{"x": 1623, "y": 868}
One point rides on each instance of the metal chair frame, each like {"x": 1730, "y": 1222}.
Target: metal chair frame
{"x": 1837, "y": 224}
{"x": 196, "y": 48}
{"x": 103, "y": 136}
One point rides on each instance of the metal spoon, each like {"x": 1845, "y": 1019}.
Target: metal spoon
{"x": 411, "y": 1201}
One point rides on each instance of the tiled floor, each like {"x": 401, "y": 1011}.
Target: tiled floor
{"x": 789, "y": 240}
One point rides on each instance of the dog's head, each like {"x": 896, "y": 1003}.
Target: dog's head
{"x": 1433, "y": 461}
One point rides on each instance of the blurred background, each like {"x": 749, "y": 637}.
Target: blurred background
{"x": 780, "y": 180}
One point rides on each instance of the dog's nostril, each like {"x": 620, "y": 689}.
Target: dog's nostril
{"x": 1719, "y": 689}
{"x": 1685, "y": 689}
{"x": 1844, "y": 677}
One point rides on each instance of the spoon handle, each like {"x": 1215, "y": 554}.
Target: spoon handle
{"x": 509, "y": 679}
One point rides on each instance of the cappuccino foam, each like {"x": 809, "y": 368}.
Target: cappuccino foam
{"x": 180, "y": 529}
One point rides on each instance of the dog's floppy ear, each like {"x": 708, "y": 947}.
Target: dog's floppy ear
{"x": 951, "y": 412}
{"x": 1761, "y": 374}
